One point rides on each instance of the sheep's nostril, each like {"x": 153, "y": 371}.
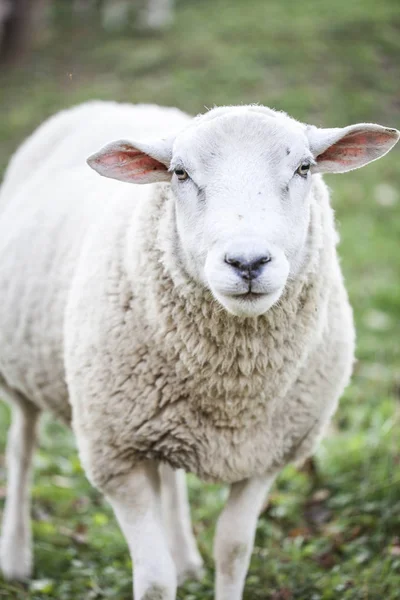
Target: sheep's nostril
{"x": 234, "y": 262}
{"x": 265, "y": 259}
{"x": 248, "y": 269}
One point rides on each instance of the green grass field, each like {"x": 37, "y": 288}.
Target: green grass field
{"x": 330, "y": 535}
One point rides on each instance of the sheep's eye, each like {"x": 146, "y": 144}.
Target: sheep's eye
{"x": 303, "y": 169}
{"x": 181, "y": 174}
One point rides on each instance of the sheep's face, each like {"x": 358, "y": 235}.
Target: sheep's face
{"x": 241, "y": 183}
{"x": 241, "y": 178}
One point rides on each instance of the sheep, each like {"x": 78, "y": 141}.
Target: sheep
{"x": 198, "y": 323}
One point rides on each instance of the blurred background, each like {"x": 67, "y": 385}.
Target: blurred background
{"x": 331, "y": 530}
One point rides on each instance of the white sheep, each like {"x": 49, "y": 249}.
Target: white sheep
{"x": 199, "y": 324}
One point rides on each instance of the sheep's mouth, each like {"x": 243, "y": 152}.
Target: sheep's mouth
{"x": 248, "y": 304}
{"x": 247, "y": 297}
{"x": 250, "y": 296}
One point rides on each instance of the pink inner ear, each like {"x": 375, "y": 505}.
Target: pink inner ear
{"x": 129, "y": 164}
{"x": 355, "y": 147}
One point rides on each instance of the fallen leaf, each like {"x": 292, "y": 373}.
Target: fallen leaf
{"x": 326, "y": 560}
{"x": 78, "y": 535}
{"x": 303, "y": 532}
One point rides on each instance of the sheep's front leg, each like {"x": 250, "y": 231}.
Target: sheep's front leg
{"x": 235, "y": 535}
{"x": 176, "y": 514}
{"x": 136, "y": 501}
{"x": 16, "y": 544}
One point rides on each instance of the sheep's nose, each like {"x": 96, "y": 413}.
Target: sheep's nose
{"x": 248, "y": 269}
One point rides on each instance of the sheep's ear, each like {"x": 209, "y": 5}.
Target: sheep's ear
{"x": 133, "y": 163}
{"x": 340, "y": 150}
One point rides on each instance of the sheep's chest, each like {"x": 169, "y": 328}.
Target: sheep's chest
{"x": 218, "y": 422}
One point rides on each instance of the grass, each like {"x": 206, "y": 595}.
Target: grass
{"x": 330, "y": 535}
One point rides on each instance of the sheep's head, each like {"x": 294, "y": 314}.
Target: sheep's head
{"x": 241, "y": 179}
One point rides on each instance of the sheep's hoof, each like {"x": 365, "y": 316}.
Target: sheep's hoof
{"x": 15, "y": 561}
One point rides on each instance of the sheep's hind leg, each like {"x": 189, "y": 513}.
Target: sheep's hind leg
{"x": 235, "y": 535}
{"x": 16, "y": 540}
{"x": 136, "y": 500}
{"x": 176, "y": 515}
